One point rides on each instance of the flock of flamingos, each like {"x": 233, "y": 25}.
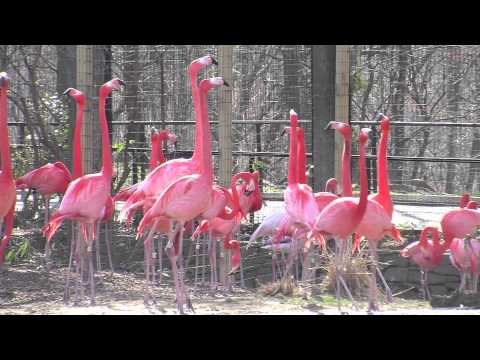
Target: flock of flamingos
{"x": 180, "y": 191}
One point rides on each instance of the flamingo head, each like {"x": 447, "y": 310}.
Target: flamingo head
{"x": 464, "y": 200}
{"x": 331, "y": 186}
{"x": 4, "y": 80}
{"x": 363, "y": 136}
{"x": 254, "y": 186}
{"x": 472, "y": 205}
{"x": 77, "y": 95}
{"x": 109, "y": 86}
{"x": 201, "y": 63}
{"x": 293, "y": 118}
{"x": 166, "y": 135}
{"x": 207, "y": 84}
{"x": 343, "y": 128}
{"x": 384, "y": 121}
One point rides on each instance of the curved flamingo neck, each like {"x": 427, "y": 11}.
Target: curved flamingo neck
{"x": 77, "y": 143}
{"x": 4, "y": 142}
{"x": 107, "y": 166}
{"x": 346, "y": 165}
{"x": 302, "y": 156}
{"x": 161, "y": 155}
{"x": 235, "y": 199}
{"x": 464, "y": 200}
{"x": 362, "y": 204}
{"x": 205, "y": 159}
{"x": 382, "y": 173}
{"x": 155, "y": 152}
{"x": 292, "y": 160}
{"x": 193, "y": 73}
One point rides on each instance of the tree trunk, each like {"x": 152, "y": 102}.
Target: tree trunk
{"x": 398, "y": 112}
{"x": 453, "y": 95}
{"x": 66, "y": 78}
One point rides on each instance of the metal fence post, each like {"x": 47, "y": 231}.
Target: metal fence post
{"x": 323, "y": 111}
{"x": 85, "y": 84}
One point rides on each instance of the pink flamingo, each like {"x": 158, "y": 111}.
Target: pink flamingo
{"x": 341, "y": 217}
{"x": 157, "y": 157}
{"x": 7, "y": 183}
{"x": 163, "y": 175}
{"x": 184, "y": 199}
{"x": 427, "y": 254}
{"x": 47, "y": 180}
{"x": 85, "y": 198}
{"x": 250, "y": 200}
{"x": 464, "y": 254}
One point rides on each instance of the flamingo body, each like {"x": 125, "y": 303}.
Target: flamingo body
{"x": 48, "y": 179}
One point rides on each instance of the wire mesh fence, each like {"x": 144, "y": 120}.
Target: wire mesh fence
{"x": 430, "y": 92}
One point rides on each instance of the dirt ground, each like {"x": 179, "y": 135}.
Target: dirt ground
{"x": 29, "y": 290}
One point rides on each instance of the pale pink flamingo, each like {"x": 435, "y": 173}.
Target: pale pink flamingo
{"x": 7, "y": 183}
{"x": 157, "y": 157}
{"x": 464, "y": 254}
{"x": 86, "y": 197}
{"x": 46, "y": 180}
{"x": 156, "y": 181}
{"x": 426, "y": 253}
{"x": 341, "y": 217}
{"x": 184, "y": 199}
{"x": 376, "y": 223}
{"x": 250, "y": 200}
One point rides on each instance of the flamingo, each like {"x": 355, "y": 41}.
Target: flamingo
{"x": 376, "y": 223}
{"x": 184, "y": 199}
{"x": 47, "y": 180}
{"x": 464, "y": 254}
{"x": 7, "y": 183}
{"x": 427, "y": 254}
{"x": 341, "y": 217}
{"x": 250, "y": 200}
{"x": 85, "y": 198}
{"x": 157, "y": 180}
{"x": 157, "y": 157}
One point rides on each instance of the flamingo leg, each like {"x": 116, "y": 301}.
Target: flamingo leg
{"x": 242, "y": 279}
{"x": 78, "y": 255}
{"x": 160, "y": 259}
{"x": 340, "y": 250}
{"x": 203, "y": 245}
{"x": 47, "y": 243}
{"x": 274, "y": 265}
{"x": 463, "y": 281}
{"x": 423, "y": 281}
{"x": 372, "y": 281}
{"x": 109, "y": 252}
{"x": 147, "y": 265}
{"x": 475, "y": 282}
{"x": 212, "y": 246}
{"x": 66, "y": 294}
{"x": 173, "y": 261}
{"x": 181, "y": 268}
{"x": 97, "y": 246}
{"x": 197, "y": 250}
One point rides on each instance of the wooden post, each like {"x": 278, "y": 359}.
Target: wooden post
{"x": 85, "y": 84}
{"x": 341, "y": 102}
{"x": 225, "y": 113}
{"x": 323, "y": 111}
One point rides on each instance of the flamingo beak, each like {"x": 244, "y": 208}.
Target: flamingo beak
{"x": 66, "y": 91}
{"x": 226, "y": 83}
{"x": 3, "y": 78}
{"x": 214, "y": 62}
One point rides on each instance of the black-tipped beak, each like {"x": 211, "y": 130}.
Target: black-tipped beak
{"x": 328, "y": 125}
{"x": 378, "y": 117}
{"x": 65, "y": 93}
{"x": 214, "y": 62}
{"x": 153, "y": 130}
{"x": 121, "y": 82}
{"x": 225, "y": 83}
